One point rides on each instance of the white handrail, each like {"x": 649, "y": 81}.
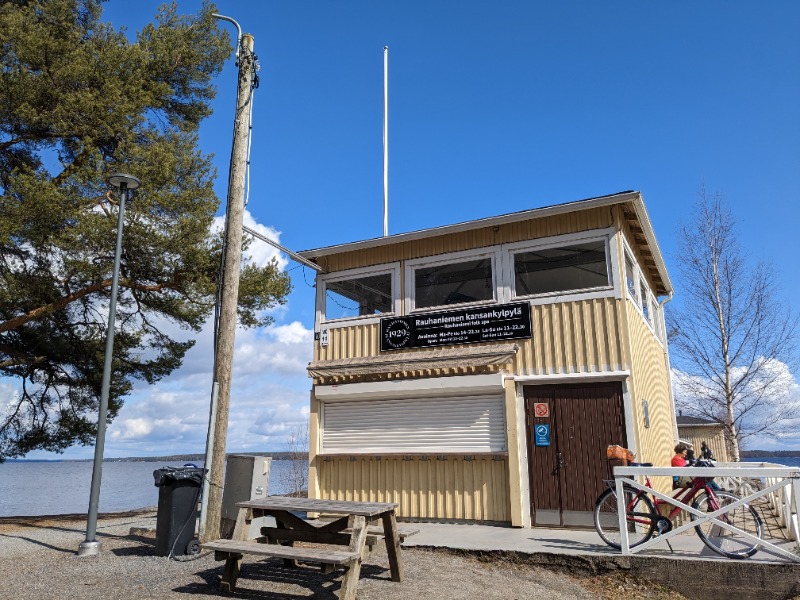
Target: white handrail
{"x": 781, "y": 489}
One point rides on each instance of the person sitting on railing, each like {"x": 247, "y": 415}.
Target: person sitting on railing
{"x": 705, "y": 451}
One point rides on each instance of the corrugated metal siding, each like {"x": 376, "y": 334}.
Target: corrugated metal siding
{"x": 414, "y": 425}
{"x": 478, "y": 238}
{"x": 572, "y": 337}
{"x": 649, "y": 381}
{"x": 568, "y": 337}
{"x": 453, "y": 488}
{"x": 713, "y": 436}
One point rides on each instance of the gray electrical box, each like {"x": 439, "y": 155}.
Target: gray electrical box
{"x": 246, "y": 478}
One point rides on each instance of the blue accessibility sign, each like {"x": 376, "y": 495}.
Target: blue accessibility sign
{"x": 541, "y": 434}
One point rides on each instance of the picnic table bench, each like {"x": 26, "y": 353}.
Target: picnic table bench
{"x": 357, "y": 523}
{"x": 375, "y": 533}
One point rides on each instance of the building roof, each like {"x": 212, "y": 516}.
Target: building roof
{"x": 694, "y": 421}
{"x": 635, "y": 215}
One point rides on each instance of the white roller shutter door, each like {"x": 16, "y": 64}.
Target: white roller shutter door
{"x": 469, "y": 424}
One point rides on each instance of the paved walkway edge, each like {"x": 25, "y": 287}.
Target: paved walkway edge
{"x": 695, "y": 578}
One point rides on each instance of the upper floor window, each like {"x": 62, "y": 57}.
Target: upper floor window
{"x": 458, "y": 278}
{"x": 456, "y": 283}
{"x": 359, "y": 293}
{"x": 646, "y": 308}
{"x": 630, "y": 275}
{"x": 562, "y": 268}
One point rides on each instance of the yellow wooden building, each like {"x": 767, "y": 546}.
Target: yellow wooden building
{"x": 696, "y": 431}
{"x": 478, "y": 371}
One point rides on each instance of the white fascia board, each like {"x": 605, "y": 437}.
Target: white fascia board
{"x": 650, "y": 235}
{"x": 571, "y": 377}
{"x": 459, "y": 385}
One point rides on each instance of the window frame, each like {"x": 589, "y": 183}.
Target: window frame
{"x": 493, "y": 254}
{"x": 322, "y": 295}
{"x": 655, "y": 318}
{"x": 646, "y": 303}
{"x": 606, "y": 235}
{"x": 627, "y": 256}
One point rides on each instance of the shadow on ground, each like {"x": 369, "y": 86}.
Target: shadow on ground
{"x": 257, "y": 579}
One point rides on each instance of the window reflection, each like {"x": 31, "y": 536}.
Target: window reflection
{"x": 561, "y": 268}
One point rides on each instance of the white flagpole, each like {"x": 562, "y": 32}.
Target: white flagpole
{"x": 385, "y": 141}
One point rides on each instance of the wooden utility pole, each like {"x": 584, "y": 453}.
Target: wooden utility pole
{"x": 229, "y": 295}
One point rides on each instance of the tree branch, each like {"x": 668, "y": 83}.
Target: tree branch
{"x": 47, "y": 309}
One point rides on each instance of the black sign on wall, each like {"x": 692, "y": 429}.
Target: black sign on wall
{"x": 465, "y": 326}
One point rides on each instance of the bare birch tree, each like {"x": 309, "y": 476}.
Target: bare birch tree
{"x": 294, "y": 479}
{"x": 734, "y": 340}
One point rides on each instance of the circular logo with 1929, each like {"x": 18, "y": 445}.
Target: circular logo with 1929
{"x": 397, "y": 333}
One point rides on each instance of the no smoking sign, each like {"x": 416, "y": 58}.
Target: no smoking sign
{"x": 541, "y": 409}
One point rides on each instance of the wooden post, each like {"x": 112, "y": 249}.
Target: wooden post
{"x": 358, "y": 525}
{"x": 392, "y": 539}
{"x": 226, "y": 329}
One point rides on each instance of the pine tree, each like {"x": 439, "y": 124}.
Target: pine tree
{"x": 79, "y": 101}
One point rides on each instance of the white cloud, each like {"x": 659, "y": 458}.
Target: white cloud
{"x": 269, "y": 393}
{"x": 282, "y": 349}
{"x": 781, "y": 404}
{"x": 293, "y": 333}
{"x": 9, "y": 394}
{"x": 269, "y": 397}
{"x": 133, "y": 429}
{"x": 259, "y": 252}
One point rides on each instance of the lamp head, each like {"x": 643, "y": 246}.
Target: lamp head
{"x": 117, "y": 179}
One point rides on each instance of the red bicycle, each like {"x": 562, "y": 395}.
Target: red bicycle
{"x": 644, "y": 519}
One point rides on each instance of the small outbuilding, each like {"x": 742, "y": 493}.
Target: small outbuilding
{"x": 478, "y": 371}
{"x": 696, "y": 430}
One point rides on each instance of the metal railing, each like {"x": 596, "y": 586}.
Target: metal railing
{"x": 780, "y": 487}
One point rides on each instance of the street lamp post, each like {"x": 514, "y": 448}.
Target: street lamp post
{"x": 90, "y": 546}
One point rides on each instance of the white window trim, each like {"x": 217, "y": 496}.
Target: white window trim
{"x": 656, "y": 322}
{"x": 494, "y": 254}
{"x": 647, "y": 300}
{"x": 323, "y": 279}
{"x": 612, "y": 290}
{"x": 626, "y": 253}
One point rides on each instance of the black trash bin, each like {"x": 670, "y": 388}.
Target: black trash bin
{"x": 178, "y": 494}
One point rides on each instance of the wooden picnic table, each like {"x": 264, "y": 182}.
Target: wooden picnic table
{"x": 350, "y": 529}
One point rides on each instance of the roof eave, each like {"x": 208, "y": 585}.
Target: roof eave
{"x": 650, "y": 235}
{"x": 535, "y": 213}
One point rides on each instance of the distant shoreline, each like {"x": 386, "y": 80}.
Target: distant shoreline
{"x": 291, "y": 456}
{"x": 770, "y": 453}
{"x": 170, "y": 458}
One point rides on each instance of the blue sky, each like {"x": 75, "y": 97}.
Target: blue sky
{"x": 493, "y": 108}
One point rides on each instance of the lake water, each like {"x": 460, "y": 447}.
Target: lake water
{"x": 57, "y": 488}
{"x": 29, "y": 488}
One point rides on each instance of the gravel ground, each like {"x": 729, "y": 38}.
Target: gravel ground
{"x": 38, "y": 561}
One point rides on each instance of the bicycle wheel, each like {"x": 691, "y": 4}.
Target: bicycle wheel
{"x": 720, "y": 540}
{"x": 641, "y": 517}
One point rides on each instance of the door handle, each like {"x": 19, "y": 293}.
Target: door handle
{"x": 559, "y": 461}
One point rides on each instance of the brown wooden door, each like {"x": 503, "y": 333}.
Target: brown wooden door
{"x": 567, "y": 476}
